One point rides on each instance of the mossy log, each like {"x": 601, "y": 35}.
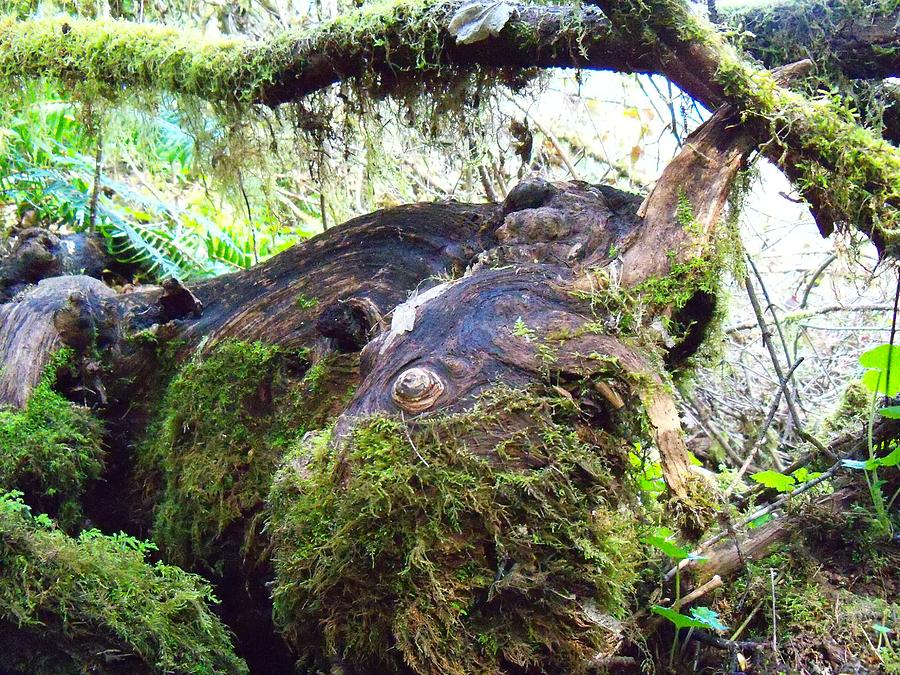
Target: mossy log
{"x": 412, "y": 444}
{"x": 504, "y": 358}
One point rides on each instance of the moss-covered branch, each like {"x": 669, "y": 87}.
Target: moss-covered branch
{"x": 394, "y": 39}
{"x": 387, "y": 40}
{"x": 857, "y": 39}
{"x": 849, "y": 176}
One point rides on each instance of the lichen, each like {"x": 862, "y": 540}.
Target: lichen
{"x": 225, "y": 421}
{"x": 456, "y": 545}
{"x": 92, "y": 604}
{"x": 52, "y": 449}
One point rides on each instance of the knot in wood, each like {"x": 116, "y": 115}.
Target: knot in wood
{"x": 417, "y": 389}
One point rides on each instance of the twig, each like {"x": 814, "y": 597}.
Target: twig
{"x": 721, "y": 643}
{"x": 746, "y": 622}
{"x": 409, "y": 438}
{"x": 249, "y": 218}
{"x": 770, "y": 306}
{"x": 887, "y": 375}
{"x": 828, "y": 309}
{"x": 489, "y": 190}
{"x": 759, "y": 513}
{"x": 762, "y": 433}
{"x": 711, "y": 430}
{"x": 774, "y": 617}
{"x": 549, "y": 135}
{"x": 767, "y": 341}
{"x": 815, "y": 277}
{"x": 700, "y": 591}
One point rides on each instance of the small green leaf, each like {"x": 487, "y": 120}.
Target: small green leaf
{"x": 803, "y": 474}
{"x": 708, "y": 617}
{"x": 680, "y": 620}
{"x": 775, "y": 480}
{"x": 884, "y": 630}
{"x": 891, "y": 459}
{"x": 880, "y": 357}
{"x": 668, "y": 547}
{"x": 762, "y": 520}
{"x": 880, "y": 361}
{"x": 874, "y": 380}
{"x": 892, "y": 412}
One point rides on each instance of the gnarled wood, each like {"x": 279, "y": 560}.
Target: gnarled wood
{"x": 29, "y": 336}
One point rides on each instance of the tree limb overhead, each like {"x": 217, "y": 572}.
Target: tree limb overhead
{"x": 293, "y": 64}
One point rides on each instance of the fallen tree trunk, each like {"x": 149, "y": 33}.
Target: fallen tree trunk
{"x": 415, "y": 443}
{"x": 533, "y": 344}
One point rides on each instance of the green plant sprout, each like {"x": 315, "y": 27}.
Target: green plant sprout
{"x": 519, "y": 329}
{"x": 700, "y": 617}
{"x": 882, "y": 366}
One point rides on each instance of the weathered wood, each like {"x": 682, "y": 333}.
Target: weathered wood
{"x": 374, "y": 260}
{"x": 29, "y": 333}
{"x": 36, "y": 253}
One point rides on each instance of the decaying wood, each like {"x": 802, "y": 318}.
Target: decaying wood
{"x": 373, "y": 261}
{"x": 707, "y": 165}
{"x": 35, "y": 254}
{"x": 729, "y": 557}
{"x": 29, "y": 334}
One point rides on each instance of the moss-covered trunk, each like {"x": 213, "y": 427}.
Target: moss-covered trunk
{"x": 422, "y": 434}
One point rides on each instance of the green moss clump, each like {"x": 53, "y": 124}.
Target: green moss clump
{"x": 208, "y": 458}
{"x": 92, "y": 604}
{"x": 119, "y": 55}
{"x": 51, "y": 449}
{"x": 853, "y": 410}
{"x": 480, "y": 542}
{"x": 681, "y": 284}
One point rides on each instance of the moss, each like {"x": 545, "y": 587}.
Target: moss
{"x": 682, "y": 283}
{"x": 52, "y": 449}
{"x": 817, "y": 612}
{"x": 460, "y": 545}
{"x": 787, "y": 32}
{"x": 118, "y": 54}
{"x": 849, "y": 175}
{"x": 225, "y": 421}
{"x": 853, "y": 410}
{"x": 304, "y": 302}
{"x": 92, "y": 604}
{"x": 678, "y": 306}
